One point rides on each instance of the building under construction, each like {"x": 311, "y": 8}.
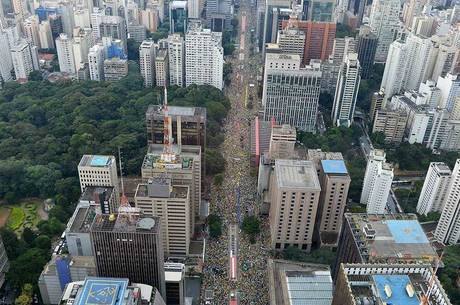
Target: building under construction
{"x": 188, "y": 125}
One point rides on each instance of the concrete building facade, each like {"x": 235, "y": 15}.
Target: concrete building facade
{"x": 434, "y": 190}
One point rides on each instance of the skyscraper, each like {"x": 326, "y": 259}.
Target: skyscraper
{"x": 45, "y": 34}
{"x": 6, "y": 63}
{"x": 450, "y": 90}
{"x": 128, "y": 245}
{"x": 204, "y": 57}
{"x": 434, "y": 191}
{"x": 384, "y": 22}
{"x": 147, "y": 62}
{"x": 25, "y": 59}
{"x": 395, "y": 69}
{"x": 178, "y": 16}
{"x": 346, "y": 91}
{"x": 448, "y": 229}
{"x": 377, "y": 183}
{"x": 343, "y": 47}
{"x": 162, "y": 68}
{"x": 295, "y": 192}
{"x": 96, "y": 56}
{"x": 292, "y": 41}
{"x": 64, "y": 48}
{"x": 114, "y": 27}
{"x": 31, "y": 31}
{"x": 366, "y": 47}
{"x": 290, "y": 93}
{"x": 176, "y": 56}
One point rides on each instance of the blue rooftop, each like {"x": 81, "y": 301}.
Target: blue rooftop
{"x": 397, "y": 284}
{"x": 99, "y": 160}
{"x": 334, "y": 167}
{"x": 102, "y": 291}
{"x": 407, "y": 232}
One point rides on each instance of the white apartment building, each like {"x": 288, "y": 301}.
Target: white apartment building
{"x": 96, "y": 20}
{"x": 204, "y": 57}
{"x": 346, "y": 91}
{"x": 82, "y": 42}
{"x": 96, "y": 57}
{"x": 450, "y": 90}
{"x": 31, "y": 30}
{"x": 6, "y": 63}
{"x": 64, "y": 48}
{"x": 176, "y": 56}
{"x": 434, "y": 190}
{"x": 377, "y": 183}
{"x": 290, "y": 93}
{"x": 194, "y": 9}
{"x": 396, "y": 64}
{"x": 384, "y": 23}
{"x": 82, "y": 18}
{"x": 171, "y": 203}
{"x": 292, "y": 41}
{"x": 45, "y": 34}
{"x": 448, "y": 229}
{"x": 161, "y": 68}
{"x": 446, "y": 61}
{"x": 97, "y": 170}
{"x": 25, "y": 59}
{"x": 147, "y": 55}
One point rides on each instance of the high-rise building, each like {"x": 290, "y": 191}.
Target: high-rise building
{"x": 115, "y": 69}
{"x": 384, "y": 22}
{"x": 175, "y": 283}
{"x": 270, "y": 20}
{"x": 45, "y": 35}
{"x": 412, "y": 9}
{"x": 335, "y": 182}
{"x": 392, "y": 123}
{"x": 31, "y": 31}
{"x": 380, "y": 239}
{"x": 450, "y": 90}
{"x": 129, "y": 245}
{"x": 25, "y": 59}
{"x": 178, "y": 16}
{"x": 282, "y": 142}
{"x": 94, "y": 170}
{"x": 6, "y": 63}
{"x": 4, "y": 262}
{"x": 188, "y": 125}
{"x": 162, "y": 68}
{"x": 170, "y": 203}
{"x": 366, "y": 48}
{"x": 346, "y": 92}
{"x": 377, "y": 183}
{"x": 82, "y": 18}
{"x": 292, "y": 41}
{"x": 64, "y": 48}
{"x": 77, "y": 233}
{"x": 448, "y": 228}
{"x": 194, "y": 9}
{"x": 395, "y": 69}
{"x": 319, "y": 38}
{"x": 96, "y": 56}
{"x": 421, "y": 60}
{"x": 446, "y": 59}
{"x": 342, "y": 47}
{"x": 176, "y": 56}
{"x": 376, "y": 103}
{"x": 149, "y": 18}
{"x": 218, "y": 14}
{"x": 147, "y": 62}
{"x": 295, "y": 192}
{"x": 183, "y": 165}
{"x": 82, "y": 42}
{"x": 137, "y": 32}
{"x": 20, "y": 9}
{"x": 290, "y": 93}
{"x": 387, "y": 283}
{"x": 204, "y": 57}
{"x": 67, "y": 13}
{"x": 56, "y": 25}
{"x": 114, "y": 27}
{"x": 424, "y": 26}
{"x": 434, "y": 190}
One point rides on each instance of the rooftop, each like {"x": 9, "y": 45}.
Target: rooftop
{"x": 96, "y": 160}
{"x": 155, "y": 157}
{"x": 390, "y": 238}
{"x": 126, "y": 222}
{"x": 186, "y": 113}
{"x": 397, "y": 285}
{"x": 174, "y": 272}
{"x": 299, "y": 283}
{"x": 176, "y": 191}
{"x": 96, "y": 193}
{"x": 81, "y": 220}
{"x": 296, "y": 174}
{"x": 334, "y": 167}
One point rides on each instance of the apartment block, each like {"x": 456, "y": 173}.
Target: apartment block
{"x": 294, "y": 194}
{"x": 147, "y": 62}
{"x": 115, "y": 69}
{"x": 434, "y": 190}
{"x": 162, "y": 68}
{"x": 392, "y": 123}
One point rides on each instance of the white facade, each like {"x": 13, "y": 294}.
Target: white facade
{"x": 82, "y": 18}
{"x": 450, "y": 90}
{"x": 31, "y": 31}
{"x": 6, "y": 63}
{"x": 342, "y": 47}
{"x": 421, "y": 59}
{"x": 194, "y": 9}
{"x": 68, "y": 22}
{"x": 46, "y": 37}
{"x": 147, "y": 62}
{"x": 384, "y": 22}
{"x": 434, "y": 189}
{"x": 161, "y": 68}
{"x": 96, "y": 56}
{"x": 377, "y": 183}
{"x": 290, "y": 93}
{"x": 64, "y": 48}
{"x": 395, "y": 69}
{"x": 291, "y": 41}
{"x": 96, "y": 20}
{"x": 446, "y": 61}
{"x": 82, "y": 42}
{"x": 346, "y": 91}
{"x": 25, "y": 60}
{"x": 204, "y": 57}
{"x": 448, "y": 229}
{"x": 176, "y": 54}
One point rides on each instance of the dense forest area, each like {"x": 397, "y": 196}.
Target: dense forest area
{"x": 45, "y": 129}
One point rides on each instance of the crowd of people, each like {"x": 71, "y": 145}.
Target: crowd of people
{"x": 232, "y": 201}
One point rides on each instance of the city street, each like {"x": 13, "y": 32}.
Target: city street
{"x": 248, "y": 283}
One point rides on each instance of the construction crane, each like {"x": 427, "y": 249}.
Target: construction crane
{"x": 425, "y": 298}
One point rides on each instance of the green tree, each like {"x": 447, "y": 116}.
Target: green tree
{"x": 27, "y": 267}
{"x": 378, "y": 139}
{"x": 218, "y": 179}
{"x": 215, "y": 162}
{"x": 28, "y": 235}
{"x": 133, "y": 49}
{"x": 43, "y": 242}
{"x": 25, "y": 298}
{"x": 251, "y": 226}
{"x": 215, "y": 226}
{"x": 35, "y": 76}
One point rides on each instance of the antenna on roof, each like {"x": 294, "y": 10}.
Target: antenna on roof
{"x": 167, "y": 133}
{"x": 124, "y": 199}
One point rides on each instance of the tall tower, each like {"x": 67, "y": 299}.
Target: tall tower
{"x": 64, "y": 48}
{"x": 434, "y": 191}
{"x": 147, "y": 62}
{"x": 346, "y": 91}
{"x": 176, "y": 54}
{"x": 448, "y": 229}
{"x": 366, "y": 47}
